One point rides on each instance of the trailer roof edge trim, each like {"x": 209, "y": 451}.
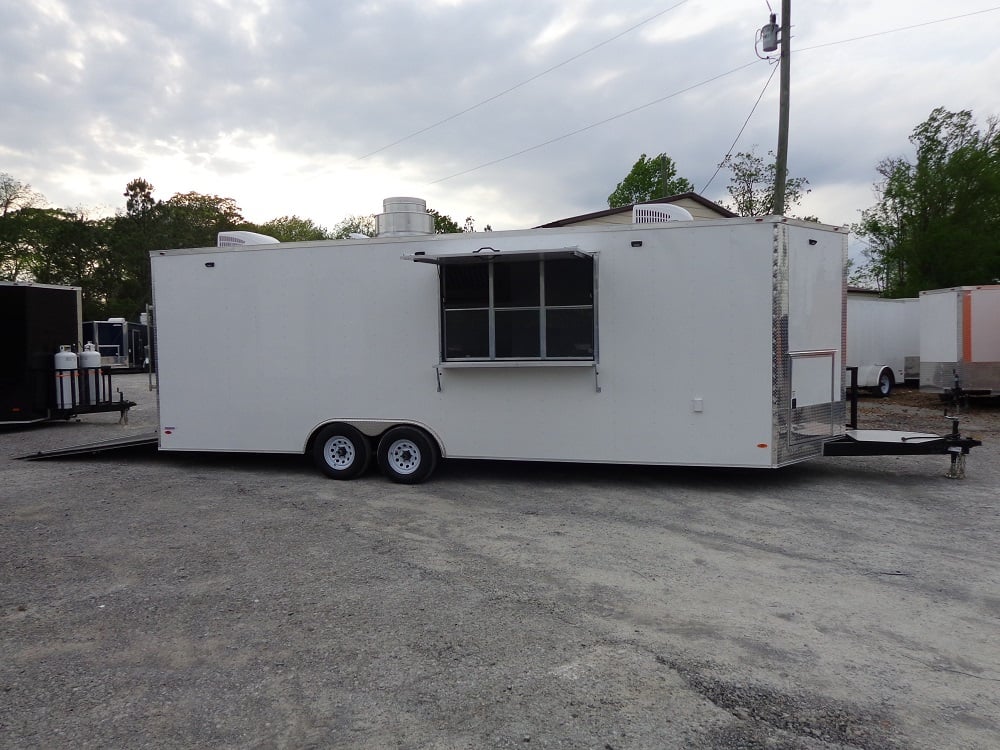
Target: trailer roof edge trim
{"x": 486, "y": 254}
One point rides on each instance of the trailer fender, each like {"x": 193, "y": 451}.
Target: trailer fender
{"x": 885, "y": 382}
{"x": 374, "y": 429}
{"x": 879, "y": 379}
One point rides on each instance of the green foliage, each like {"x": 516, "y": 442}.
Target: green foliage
{"x": 751, "y": 185}
{"x": 138, "y": 197}
{"x": 367, "y": 225}
{"x": 15, "y": 195}
{"x": 109, "y": 258}
{"x": 52, "y": 246}
{"x": 195, "y": 220}
{"x": 292, "y": 229}
{"x": 16, "y": 229}
{"x": 119, "y": 283}
{"x": 937, "y": 218}
{"x": 354, "y": 225}
{"x": 649, "y": 178}
{"x": 444, "y": 224}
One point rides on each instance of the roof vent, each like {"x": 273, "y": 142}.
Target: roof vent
{"x": 404, "y": 217}
{"x": 239, "y": 239}
{"x": 652, "y": 213}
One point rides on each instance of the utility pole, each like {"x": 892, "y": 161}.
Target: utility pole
{"x": 781, "y": 159}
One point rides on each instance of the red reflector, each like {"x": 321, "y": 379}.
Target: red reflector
{"x": 761, "y": 445}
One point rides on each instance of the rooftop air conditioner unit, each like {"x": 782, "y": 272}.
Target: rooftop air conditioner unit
{"x": 651, "y": 213}
{"x": 239, "y": 239}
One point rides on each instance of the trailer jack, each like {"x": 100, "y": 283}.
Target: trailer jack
{"x": 957, "y": 470}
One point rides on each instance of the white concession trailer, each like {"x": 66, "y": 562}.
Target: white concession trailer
{"x": 699, "y": 343}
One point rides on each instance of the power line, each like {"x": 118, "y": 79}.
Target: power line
{"x": 753, "y": 109}
{"x": 902, "y": 28}
{"x": 677, "y": 93}
{"x": 596, "y": 124}
{"x": 818, "y": 46}
{"x": 525, "y": 82}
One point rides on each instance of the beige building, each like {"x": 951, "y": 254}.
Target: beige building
{"x": 700, "y": 209}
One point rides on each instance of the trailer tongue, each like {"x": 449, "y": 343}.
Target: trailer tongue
{"x": 900, "y": 443}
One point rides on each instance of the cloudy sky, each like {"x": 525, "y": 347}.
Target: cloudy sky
{"x": 514, "y": 112}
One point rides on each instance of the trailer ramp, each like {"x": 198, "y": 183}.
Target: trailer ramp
{"x": 101, "y": 446}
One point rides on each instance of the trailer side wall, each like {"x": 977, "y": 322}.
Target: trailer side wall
{"x": 882, "y": 333}
{"x": 308, "y": 333}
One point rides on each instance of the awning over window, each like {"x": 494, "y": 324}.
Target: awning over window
{"x": 490, "y": 254}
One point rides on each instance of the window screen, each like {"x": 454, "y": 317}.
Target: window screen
{"x": 532, "y": 309}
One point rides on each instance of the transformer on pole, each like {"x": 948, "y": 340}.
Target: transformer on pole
{"x": 770, "y": 38}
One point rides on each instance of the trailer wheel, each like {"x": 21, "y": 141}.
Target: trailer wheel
{"x": 885, "y": 384}
{"x": 341, "y": 451}
{"x": 407, "y": 455}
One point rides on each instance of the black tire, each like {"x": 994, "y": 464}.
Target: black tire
{"x": 341, "y": 451}
{"x": 407, "y": 455}
{"x": 886, "y": 382}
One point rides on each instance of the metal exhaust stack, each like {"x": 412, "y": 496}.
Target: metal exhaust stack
{"x": 404, "y": 217}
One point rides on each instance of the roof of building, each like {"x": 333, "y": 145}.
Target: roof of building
{"x": 711, "y": 205}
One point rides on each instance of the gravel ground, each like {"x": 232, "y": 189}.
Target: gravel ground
{"x": 230, "y": 601}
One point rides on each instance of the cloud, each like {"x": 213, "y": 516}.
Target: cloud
{"x": 274, "y": 103}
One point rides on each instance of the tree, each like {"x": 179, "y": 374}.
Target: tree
{"x": 15, "y": 195}
{"x": 293, "y": 229}
{"x": 354, "y": 225}
{"x": 195, "y": 220}
{"x": 139, "y": 197}
{"x": 53, "y": 246}
{"x": 122, "y": 276}
{"x": 937, "y": 218}
{"x": 751, "y": 185}
{"x": 16, "y": 198}
{"x": 649, "y": 178}
{"x": 24, "y": 234}
{"x": 185, "y": 220}
{"x": 444, "y": 224}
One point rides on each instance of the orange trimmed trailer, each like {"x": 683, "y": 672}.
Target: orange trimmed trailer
{"x": 960, "y": 340}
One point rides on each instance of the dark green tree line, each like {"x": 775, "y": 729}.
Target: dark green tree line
{"x": 937, "y": 220}
{"x": 109, "y": 257}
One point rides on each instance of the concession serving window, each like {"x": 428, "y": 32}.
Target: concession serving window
{"x": 517, "y": 306}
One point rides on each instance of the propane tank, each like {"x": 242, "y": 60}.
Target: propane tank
{"x": 66, "y": 375}
{"x": 90, "y": 374}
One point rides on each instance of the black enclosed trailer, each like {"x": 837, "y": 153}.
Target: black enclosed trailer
{"x": 122, "y": 345}
{"x": 37, "y": 321}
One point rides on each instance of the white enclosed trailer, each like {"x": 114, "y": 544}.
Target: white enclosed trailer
{"x": 960, "y": 340}
{"x": 883, "y": 340}
{"x": 710, "y": 343}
